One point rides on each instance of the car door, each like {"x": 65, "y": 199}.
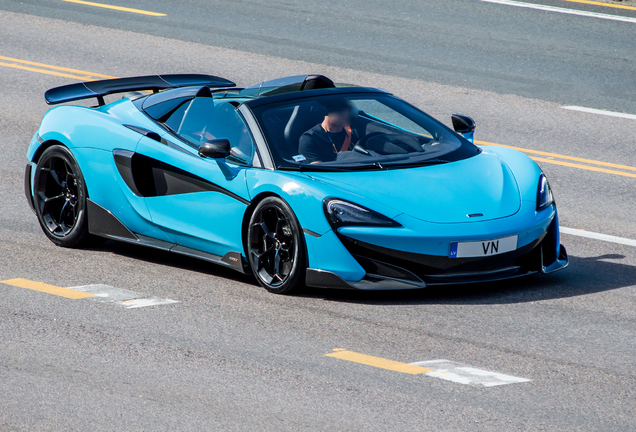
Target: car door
{"x": 198, "y": 202}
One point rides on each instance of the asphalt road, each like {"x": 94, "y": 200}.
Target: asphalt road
{"x": 230, "y": 356}
{"x": 562, "y": 58}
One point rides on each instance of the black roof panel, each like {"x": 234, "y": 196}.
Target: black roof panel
{"x": 264, "y": 100}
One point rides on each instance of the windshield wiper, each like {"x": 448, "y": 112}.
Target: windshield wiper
{"x": 330, "y": 168}
{"x": 303, "y": 168}
{"x": 318, "y": 167}
{"x": 416, "y": 164}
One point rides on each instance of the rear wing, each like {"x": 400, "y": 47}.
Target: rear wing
{"x": 99, "y": 89}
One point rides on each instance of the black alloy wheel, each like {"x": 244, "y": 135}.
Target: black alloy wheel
{"x": 276, "y": 247}
{"x": 60, "y": 198}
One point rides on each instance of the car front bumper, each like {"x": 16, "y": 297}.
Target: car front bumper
{"x": 410, "y": 265}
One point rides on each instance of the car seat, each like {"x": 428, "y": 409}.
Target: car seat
{"x": 304, "y": 116}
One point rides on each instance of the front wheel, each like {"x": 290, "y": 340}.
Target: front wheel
{"x": 276, "y": 247}
{"x": 59, "y": 195}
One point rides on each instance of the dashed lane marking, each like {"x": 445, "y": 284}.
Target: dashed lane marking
{"x": 46, "y": 288}
{"x": 562, "y": 10}
{"x": 97, "y": 293}
{"x": 122, "y": 297}
{"x": 600, "y": 112}
{"x": 119, "y": 8}
{"x": 458, "y": 373}
{"x": 145, "y": 302}
{"x": 597, "y": 236}
{"x": 378, "y": 362}
{"x": 443, "y": 369}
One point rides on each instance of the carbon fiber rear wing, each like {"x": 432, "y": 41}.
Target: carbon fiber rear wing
{"x": 99, "y": 89}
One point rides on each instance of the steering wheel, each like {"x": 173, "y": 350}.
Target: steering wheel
{"x": 362, "y": 142}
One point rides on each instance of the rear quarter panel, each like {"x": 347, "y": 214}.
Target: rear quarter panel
{"x": 92, "y": 134}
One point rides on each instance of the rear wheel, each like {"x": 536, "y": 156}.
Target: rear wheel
{"x": 276, "y": 248}
{"x": 60, "y": 198}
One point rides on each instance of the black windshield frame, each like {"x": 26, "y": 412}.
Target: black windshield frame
{"x": 464, "y": 148}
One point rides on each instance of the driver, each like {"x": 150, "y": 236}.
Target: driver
{"x": 323, "y": 142}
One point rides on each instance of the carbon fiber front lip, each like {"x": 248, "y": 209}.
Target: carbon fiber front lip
{"x": 325, "y": 279}
{"x": 443, "y": 270}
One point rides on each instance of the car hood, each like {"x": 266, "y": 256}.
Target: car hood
{"x": 445, "y": 193}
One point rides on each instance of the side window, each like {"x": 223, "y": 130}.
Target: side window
{"x": 227, "y": 123}
{"x": 197, "y": 118}
{"x": 207, "y": 119}
{"x": 164, "y": 109}
{"x": 174, "y": 121}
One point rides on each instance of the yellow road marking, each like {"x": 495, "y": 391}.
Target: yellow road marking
{"x": 584, "y": 167}
{"x": 59, "y": 68}
{"x": 378, "y": 362}
{"x": 595, "y": 3}
{"x": 524, "y": 150}
{"x": 50, "y": 289}
{"x": 119, "y": 8}
{"x": 65, "y": 75}
{"x": 87, "y": 76}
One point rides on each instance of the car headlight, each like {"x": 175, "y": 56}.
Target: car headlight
{"x": 544, "y": 193}
{"x": 340, "y": 212}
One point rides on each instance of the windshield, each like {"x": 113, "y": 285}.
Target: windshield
{"x": 356, "y": 131}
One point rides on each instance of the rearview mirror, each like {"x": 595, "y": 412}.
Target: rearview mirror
{"x": 216, "y": 148}
{"x": 464, "y": 125}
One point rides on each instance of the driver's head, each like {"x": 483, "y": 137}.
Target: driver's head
{"x": 338, "y": 111}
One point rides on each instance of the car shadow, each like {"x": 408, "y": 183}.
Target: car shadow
{"x": 583, "y": 276}
{"x": 171, "y": 259}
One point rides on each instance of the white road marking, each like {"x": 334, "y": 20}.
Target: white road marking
{"x": 151, "y": 301}
{"x": 601, "y": 112}
{"x": 562, "y": 10}
{"x": 121, "y": 297}
{"x": 458, "y": 373}
{"x": 598, "y": 236}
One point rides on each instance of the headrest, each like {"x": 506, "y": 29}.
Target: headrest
{"x": 314, "y": 82}
{"x": 335, "y": 104}
{"x": 204, "y": 92}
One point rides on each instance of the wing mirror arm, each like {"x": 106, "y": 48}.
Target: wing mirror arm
{"x": 219, "y": 149}
{"x": 464, "y": 125}
{"x": 227, "y": 170}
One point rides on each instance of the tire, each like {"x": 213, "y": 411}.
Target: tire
{"x": 276, "y": 247}
{"x": 59, "y": 195}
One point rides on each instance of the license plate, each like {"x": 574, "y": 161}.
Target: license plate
{"x": 483, "y": 248}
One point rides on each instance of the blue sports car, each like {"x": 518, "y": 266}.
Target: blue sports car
{"x": 298, "y": 180}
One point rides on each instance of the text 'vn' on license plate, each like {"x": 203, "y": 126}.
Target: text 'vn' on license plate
{"x": 483, "y": 248}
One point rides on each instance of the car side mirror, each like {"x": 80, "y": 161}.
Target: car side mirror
{"x": 215, "y": 149}
{"x": 464, "y": 125}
